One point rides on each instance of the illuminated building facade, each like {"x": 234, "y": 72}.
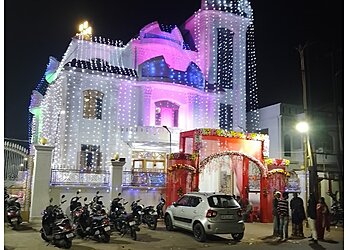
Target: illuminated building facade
{"x": 106, "y": 98}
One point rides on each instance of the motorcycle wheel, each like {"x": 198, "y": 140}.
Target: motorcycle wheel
{"x": 80, "y": 232}
{"x": 43, "y": 236}
{"x": 105, "y": 237}
{"x": 67, "y": 244}
{"x": 133, "y": 233}
{"x": 152, "y": 222}
{"x": 15, "y": 226}
{"x": 333, "y": 220}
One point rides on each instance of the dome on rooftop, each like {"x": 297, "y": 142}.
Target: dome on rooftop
{"x": 166, "y": 32}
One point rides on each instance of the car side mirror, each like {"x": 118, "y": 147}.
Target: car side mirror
{"x": 175, "y": 204}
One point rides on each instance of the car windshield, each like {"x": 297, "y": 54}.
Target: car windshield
{"x": 222, "y": 201}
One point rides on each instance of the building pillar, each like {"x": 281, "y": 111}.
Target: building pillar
{"x": 40, "y": 181}
{"x": 117, "y": 178}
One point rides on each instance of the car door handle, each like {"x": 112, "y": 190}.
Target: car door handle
{"x": 182, "y": 210}
{"x": 194, "y": 211}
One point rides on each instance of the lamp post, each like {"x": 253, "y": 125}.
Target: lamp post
{"x": 170, "y": 139}
{"x": 303, "y": 127}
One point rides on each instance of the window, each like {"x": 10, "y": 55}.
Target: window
{"x": 324, "y": 143}
{"x": 297, "y": 142}
{"x": 226, "y": 117}
{"x": 221, "y": 201}
{"x": 149, "y": 165}
{"x": 225, "y": 58}
{"x": 194, "y": 201}
{"x": 184, "y": 201}
{"x": 166, "y": 113}
{"x": 90, "y": 158}
{"x": 92, "y": 107}
{"x": 287, "y": 146}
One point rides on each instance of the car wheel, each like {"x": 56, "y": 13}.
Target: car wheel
{"x": 168, "y": 223}
{"x": 237, "y": 236}
{"x": 199, "y": 233}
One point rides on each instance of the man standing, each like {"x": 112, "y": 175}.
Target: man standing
{"x": 276, "y": 219}
{"x": 311, "y": 216}
{"x": 283, "y": 212}
{"x": 298, "y": 215}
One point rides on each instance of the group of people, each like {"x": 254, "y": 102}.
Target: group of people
{"x": 317, "y": 215}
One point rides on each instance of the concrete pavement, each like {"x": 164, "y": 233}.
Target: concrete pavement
{"x": 256, "y": 235}
{"x": 257, "y": 231}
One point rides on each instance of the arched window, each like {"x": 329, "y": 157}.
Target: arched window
{"x": 92, "y": 107}
{"x": 287, "y": 146}
{"x": 167, "y": 113}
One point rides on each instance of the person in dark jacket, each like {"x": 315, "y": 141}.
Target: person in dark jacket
{"x": 311, "y": 216}
{"x": 276, "y": 219}
{"x": 298, "y": 215}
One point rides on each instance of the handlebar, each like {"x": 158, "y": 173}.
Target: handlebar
{"x": 74, "y": 199}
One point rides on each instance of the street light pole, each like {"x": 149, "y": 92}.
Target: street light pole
{"x": 300, "y": 129}
{"x": 308, "y": 156}
{"x": 170, "y": 139}
{"x": 303, "y": 128}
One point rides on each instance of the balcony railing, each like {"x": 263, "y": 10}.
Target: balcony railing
{"x": 62, "y": 177}
{"x": 143, "y": 179}
{"x": 68, "y": 177}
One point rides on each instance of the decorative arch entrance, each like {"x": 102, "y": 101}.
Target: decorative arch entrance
{"x": 200, "y": 146}
{"x": 230, "y": 172}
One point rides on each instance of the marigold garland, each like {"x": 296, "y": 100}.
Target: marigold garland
{"x": 277, "y": 162}
{"x": 182, "y": 166}
{"x": 279, "y": 170}
{"x": 230, "y": 133}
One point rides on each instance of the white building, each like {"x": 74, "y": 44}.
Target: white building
{"x": 106, "y": 98}
{"x": 279, "y": 122}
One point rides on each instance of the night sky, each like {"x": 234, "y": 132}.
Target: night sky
{"x": 35, "y": 30}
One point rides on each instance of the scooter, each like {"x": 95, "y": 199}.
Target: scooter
{"x": 123, "y": 222}
{"x": 336, "y": 214}
{"x": 336, "y": 211}
{"x": 80, "y": 218}
{"x": 56, "y": 227}
{"x": 13, "y": 210}
{"x": 75, "y": 204}
{"x": 160, "y": 206}
{"x": 99, "y": 225}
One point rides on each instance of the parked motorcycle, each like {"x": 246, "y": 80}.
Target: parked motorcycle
{"x": 146, "y": 215}
{"x": 13, "y": 212}
{"x": 336, "y": 214}
{"x": 80, "y": 217}
{"x": 75, "y": 204}
{"x": 56, "y": 227}
{"x": 123, "y": 222}
{"x": 336, "y": 211}
{"x": 160, "y": 207}
{"x": 98, "y": 223}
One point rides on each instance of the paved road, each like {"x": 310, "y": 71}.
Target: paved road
{"x": 257, "y": 236}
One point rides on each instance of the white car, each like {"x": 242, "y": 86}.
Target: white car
{"x": 206, "y": 213}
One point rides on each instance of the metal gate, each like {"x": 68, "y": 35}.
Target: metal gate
{"x": 18, "y": 169}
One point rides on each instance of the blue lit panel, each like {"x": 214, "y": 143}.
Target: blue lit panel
{"x": 157, "y": 69}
